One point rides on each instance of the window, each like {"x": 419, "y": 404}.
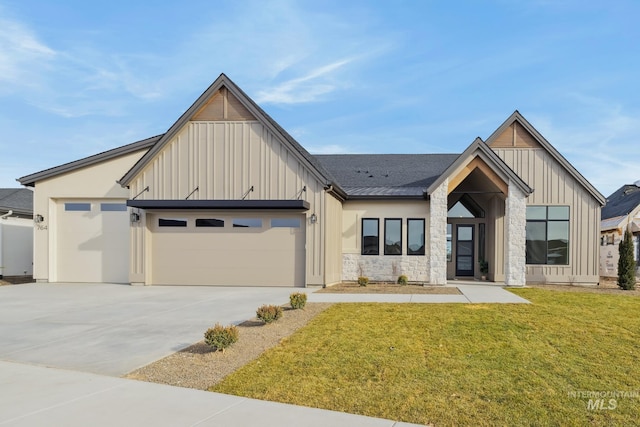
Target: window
{"x": 415, "y": 237}
{"x": 247, "y": 222}
{"x": 172, "y": 222}
{"x": 285, "y": 222}
{"x": 548, "y": 235}
{"x": 113, "y": 207}
{"x": 78, "y": 207}
{"x": 393, "y": 236}
{"x": 209, "y": 222}
{"x": 449, "y": 232}
{"x": 466, "y": 207}
{"x": 370, "y": 236}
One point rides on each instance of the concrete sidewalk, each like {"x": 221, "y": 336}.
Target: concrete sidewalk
{"x": 38, "y": 396}
{"x": 471, "y": 293}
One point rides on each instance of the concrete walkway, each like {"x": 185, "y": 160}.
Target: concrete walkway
{"x": 471, "y": 293}
{"x": 38, "y": 396}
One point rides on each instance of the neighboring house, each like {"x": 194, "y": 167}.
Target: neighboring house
{"x": 16, "y": 232}
{"x": 622, "y": 212}
{"x": 228, "y": 197}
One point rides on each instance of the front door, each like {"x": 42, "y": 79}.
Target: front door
{"x": 464, "y": 250}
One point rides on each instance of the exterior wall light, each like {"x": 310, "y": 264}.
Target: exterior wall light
{"x": 38, "y": 219}
{"x": 135, "y": 217}
{"x": 313, "y": 218}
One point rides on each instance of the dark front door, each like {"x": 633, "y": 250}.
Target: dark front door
{"x": 464, "y": 250}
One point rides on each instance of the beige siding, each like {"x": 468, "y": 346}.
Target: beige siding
{"x": 333, "y": 240}
{"x": 92, "y": 182}
{"x": 553, "y": 185}
{"x": 224, "y": 160}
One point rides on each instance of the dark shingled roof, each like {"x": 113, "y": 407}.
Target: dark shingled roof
{"x": 18, "y": 200}
{"x": 622, "y": 202}
{"x": 386, "y": 175}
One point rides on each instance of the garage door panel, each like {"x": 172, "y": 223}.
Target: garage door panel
{"x": 91, "y": 246}
{"x": 227, "y": 256}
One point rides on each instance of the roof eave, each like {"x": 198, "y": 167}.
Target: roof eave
{"x": 30, "y": 180}
{"x": 479, "y": 144}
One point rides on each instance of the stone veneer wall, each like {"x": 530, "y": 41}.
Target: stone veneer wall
{"x": 515, "y": 250}
{"x": 437, "y": 238}
{"x": 385, "y": 267}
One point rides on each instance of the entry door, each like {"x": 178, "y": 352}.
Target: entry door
{"x": 464, "y": 250}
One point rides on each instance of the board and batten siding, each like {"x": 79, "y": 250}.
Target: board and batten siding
{"x": 224, "y": 160}
{"x": 553, "y": 185}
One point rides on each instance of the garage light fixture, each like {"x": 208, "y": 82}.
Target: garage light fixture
{"x": 38, "y": 219}
{"x": 135, "y": 217}
{"x": 314, "y": 218}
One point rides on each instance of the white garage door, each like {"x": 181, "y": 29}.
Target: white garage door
{"x": 92, "y": 241}
{"x": 233, "y": 249}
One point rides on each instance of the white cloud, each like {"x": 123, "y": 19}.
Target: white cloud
{"x": 22, "y": 55}
{"x": 603, "y": 146}
{"x": 308, "y": 88}
{"x": 330, "y": 149}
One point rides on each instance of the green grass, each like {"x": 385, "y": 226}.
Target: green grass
{"x": 459, "y": 364}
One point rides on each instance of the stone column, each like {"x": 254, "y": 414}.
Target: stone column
{"x": 438, "y": 235}
{"x": 515, "y": 236}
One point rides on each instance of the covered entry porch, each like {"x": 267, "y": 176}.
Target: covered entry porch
{"x": 478, "y": 218}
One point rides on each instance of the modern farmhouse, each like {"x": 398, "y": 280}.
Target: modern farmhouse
{"x": 228, "y": 197}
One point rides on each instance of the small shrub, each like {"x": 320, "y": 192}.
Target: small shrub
{"x": 269, "y": 313}
{"x": 221, "y": 337}
{"x": 298, "y": 300}
{"x": 363, "y": 281}
{"x": 403, "y": 280}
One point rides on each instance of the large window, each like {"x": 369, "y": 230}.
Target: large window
{"x": 548, "y": 235}
{"x": 393, "y": 236}
{"x": 415, "y": 237}
{"x": 370, "y": 236}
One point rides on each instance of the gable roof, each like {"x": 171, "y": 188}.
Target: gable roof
{"x": 223, "y": 81}
{"x": 622, "y": 202}
{"x": 517, "y": 117}
{"x": 30, "y": 180}
{"x": 386, "y": 175}
{"x": 18, "y": 200}
{"x": 492, "y": 159}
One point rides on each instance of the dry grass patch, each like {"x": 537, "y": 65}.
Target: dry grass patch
{"x": 459, "y": 364}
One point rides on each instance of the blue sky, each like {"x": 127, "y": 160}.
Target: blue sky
{"x": 81, "y": 77}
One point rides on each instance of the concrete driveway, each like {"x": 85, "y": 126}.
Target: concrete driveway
{"x": 114, "y": 329}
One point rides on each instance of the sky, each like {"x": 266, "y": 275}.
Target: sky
{"x": 403, "y": 76}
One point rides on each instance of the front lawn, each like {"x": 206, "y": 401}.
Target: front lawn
{"x": 462, "y": 364}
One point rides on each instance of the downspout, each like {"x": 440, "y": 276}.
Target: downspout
{"x": 7, "y": 215}
{"x": 1, "y": 246}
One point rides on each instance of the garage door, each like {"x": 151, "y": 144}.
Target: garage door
{"x": 214, "y": 249}
{"x": 92, "y": 241}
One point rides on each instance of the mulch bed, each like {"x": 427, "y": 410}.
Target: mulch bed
{"x": 387, "y": 288}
